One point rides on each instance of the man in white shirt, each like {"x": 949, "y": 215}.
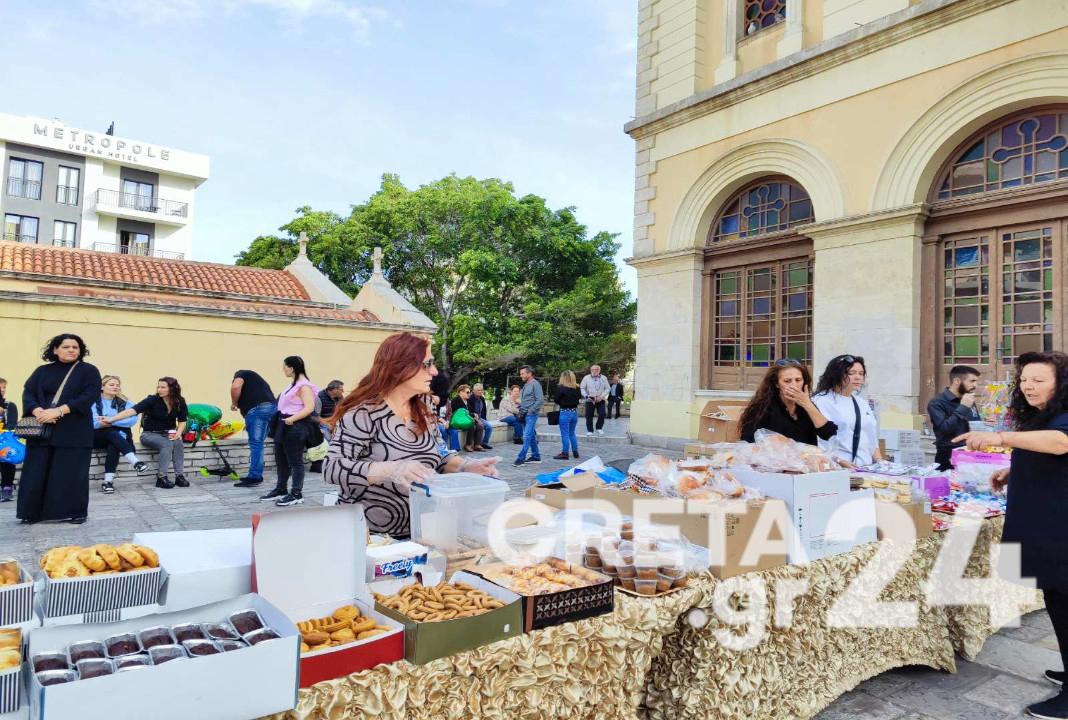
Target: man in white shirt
{"x": 594, "y": 389}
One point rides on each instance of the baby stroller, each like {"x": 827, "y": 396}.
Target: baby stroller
{"x": 205, "y": 424}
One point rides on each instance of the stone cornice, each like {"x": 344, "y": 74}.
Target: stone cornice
{"x": 872, "y": 37}
{"x": 914, "y": 214}
{"x": 113, "y": 304}
{"x": 664, "y": 258}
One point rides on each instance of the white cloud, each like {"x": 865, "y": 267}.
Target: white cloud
{"x": 357, "y": 17}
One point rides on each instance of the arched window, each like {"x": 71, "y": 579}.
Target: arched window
{"x": 1027, "y": 149}
{"x": 768, "y": 206}
{"x": 759, "y": 294}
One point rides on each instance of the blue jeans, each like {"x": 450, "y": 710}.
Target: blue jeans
{"x": 530, "y": 439}
{"x": 568, "y": 423}
{"x": 517, "y": 427}
{"x": 256, "y": 427}
{"x": 487, "y": 434}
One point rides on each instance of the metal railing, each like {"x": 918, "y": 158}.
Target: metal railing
{"x": 18, "y": 187}
{"x": 135, "y": 201}
{"x": 141, "y": 250}
{"x": 60, "y": 242}
{"x": 16, "y": 237}
{"x": 67, "y": 194}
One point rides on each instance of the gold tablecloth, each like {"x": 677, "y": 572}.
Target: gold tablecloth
{"x": 646, "y": 660}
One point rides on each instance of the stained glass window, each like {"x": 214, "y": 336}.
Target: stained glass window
{"x": 766, "y": 207}
{"x": 763, "y": 313}
{"x": 760, "y": 14}
{"x": 966, "y": 301}
{"x": 1026, "y": 150}
{"x": 1026, "y": 292}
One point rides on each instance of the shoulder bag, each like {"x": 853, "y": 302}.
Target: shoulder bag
{"x": 30, "y": 428}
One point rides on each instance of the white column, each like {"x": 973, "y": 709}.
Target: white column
{"x": 794, "y": 38}
{"x": 728, "y": 66}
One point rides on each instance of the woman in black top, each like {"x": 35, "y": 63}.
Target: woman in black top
{"x": 55, "y": 475}
{"x": 163, "y": 417}
{"x": 568, "y": 396}
{"x": 9, "y": 414}
{"x": 782, "y": 404}
{"x": 1037, "y": 480}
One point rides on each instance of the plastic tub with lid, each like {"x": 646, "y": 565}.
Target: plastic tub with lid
{"x": 448, "y": 507}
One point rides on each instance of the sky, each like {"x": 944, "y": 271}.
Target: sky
{"x": 309, "y": 102}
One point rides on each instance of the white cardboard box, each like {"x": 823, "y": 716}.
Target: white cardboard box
{"x": 247, "y": 683}
{"x": 309, "y": 562}
{"x": 203, "y": 566}
{"x": 813, "y": 499}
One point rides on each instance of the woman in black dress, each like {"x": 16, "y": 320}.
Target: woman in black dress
{"x": 1037, "y": 482}
{"x": 55, "y": 475}
{"x": 783, "y": 405}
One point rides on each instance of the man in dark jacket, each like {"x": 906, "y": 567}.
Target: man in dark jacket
{"x": 951, "y": 411}
{"x": 329, "y": 397}
{"x": 478, "y": 407}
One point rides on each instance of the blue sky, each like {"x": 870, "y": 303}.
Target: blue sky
{"x": 310, "y": 101}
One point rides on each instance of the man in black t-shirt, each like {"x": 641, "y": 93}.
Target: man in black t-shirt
{"x": 251, "y": 394}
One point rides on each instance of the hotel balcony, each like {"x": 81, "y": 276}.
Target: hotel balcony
{"x": 138, "y": 207}
{"x": 141, "y": 250}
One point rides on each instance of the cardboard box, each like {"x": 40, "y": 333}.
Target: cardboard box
{"x": 557, "y": 495}
{"x": 96, "y": 593}
{"x": 657, "y": 508}
{"x": 424, "y": 642}
{"x": 16, "y": 601}
{"x": 727, "y": 529}
{"x": 11, "y": 690}
{"x": 918, "y": 524}
{"x": 313, "y": 576}
{"x": 902, "y": 439}
{"x": 202, "y": 566}
{"x": 813, "y": 500}
{"x": 251, "y": 682}
{"x": 718, "y": 421}
{"x": 101, "y": 616}
{"x": 542, "y": 611}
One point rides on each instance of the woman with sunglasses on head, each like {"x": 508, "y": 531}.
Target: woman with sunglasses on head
{"x": 385, "y": 437}
{"x": 838, "y": 398}
{"x": 782, "y": 404}
{"x": 1037, "y": 481}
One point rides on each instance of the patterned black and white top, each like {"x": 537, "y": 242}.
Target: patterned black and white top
{"x": 373, "y": 433}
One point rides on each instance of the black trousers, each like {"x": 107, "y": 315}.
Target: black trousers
{"x": 289, "y": 444}
{"x": 7, "y": 475}
{"x": 592, "y": 407}
{"x": 942, "y": 456}
{"x": 117, "y": 441}
{"x": 55, "y": 483}
{"x": 1057, "y": 607}
{"x": 617, "y": 403}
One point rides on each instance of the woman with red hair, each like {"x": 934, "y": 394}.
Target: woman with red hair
{"x": 385, "y": 437}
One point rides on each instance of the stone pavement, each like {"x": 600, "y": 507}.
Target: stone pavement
{"x": 1005, "y": 677}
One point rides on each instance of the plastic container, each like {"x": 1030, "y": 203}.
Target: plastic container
{"x": 663, "y": 583}
{"x": 627, "y": 583}
{"x": 627, "y": 571}
{"x": 592, "y": 561}
{"x": 645, "y": 587}
{"x": 452, "y": 506}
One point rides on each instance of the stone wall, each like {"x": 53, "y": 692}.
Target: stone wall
{"x": 236, "y": 451}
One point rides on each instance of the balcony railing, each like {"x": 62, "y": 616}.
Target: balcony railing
{"x": 17, "y": 187}
{"x": 135, "y": 201}
{"x": 16, "y": 237}
{"x": 141, "y": 250}
{"x": 60, "y": 242}
{"x": 67, "y": 194}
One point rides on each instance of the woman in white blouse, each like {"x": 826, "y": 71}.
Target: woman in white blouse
{"x": 838, "y": 398}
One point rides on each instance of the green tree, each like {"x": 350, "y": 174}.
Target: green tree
{"x": 507, "y": 279}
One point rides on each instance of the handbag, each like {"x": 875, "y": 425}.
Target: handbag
{"x": 553, "y": 416}
{"x": 30, "y": 428}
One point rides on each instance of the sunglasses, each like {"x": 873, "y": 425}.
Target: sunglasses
{"x": 850, "y": 359}
{"x": 788, "y": 362}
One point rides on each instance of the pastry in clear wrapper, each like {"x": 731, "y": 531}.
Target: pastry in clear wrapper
{"x": 10, "y": 658}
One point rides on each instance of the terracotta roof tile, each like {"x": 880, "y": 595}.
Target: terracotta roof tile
{"x": 150, "y": 272}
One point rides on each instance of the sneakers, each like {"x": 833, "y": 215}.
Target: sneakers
{"x": 576, "y": 455}
{"x": 105, "y": 487}
{"x": 247, "y": 482}
{"x": 1055, "y": 676}
{"x": 589, "y": 433}
{"x": 276, "y": 493}
{"x": 141, "y": 467}
{"x": 561, "y": 456}
{"x": 601, "y": 433}
{"x": 6, "y": 494}
{"x": 163, "y": 482}
{"x": 180, "y": 480}
{"x": 518, "y": 462}
{"x": 290, "y": 499}
{"x": 534, "y": 460}
{"x": 517, "y": 441}
{"x": 1056, "y": 708}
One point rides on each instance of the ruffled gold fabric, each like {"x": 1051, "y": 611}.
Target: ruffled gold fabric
{"x": 646, "y": 660}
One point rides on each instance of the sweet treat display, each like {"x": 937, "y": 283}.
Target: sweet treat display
{"x": 75, "y": 561}
{"x": 646, "y": 565}
{"x": 188, "y": 632}
{"x": 94, "y": 668}
{"x": 45, "y": 661}
{"x": 89, "y": 649}
{"x": 9, "y": 658}
{"x": 127, "y": 662}
{"x": 56, "y": 677}
{"x": 125, "y": 644}
{"x": 970, "y": 504}
{"x": 156, "y": 636}
{"x": 346, "y": 625}
{"x": 258, "y": 636}
{"x": 220, "y": 631}
{"x": 551, "y": 576}
{"x": 693, "y": 479}
{"x": 229, "y": 645}
{"x": 446, "y": 601}
{"x": 199, "y": 648}
{"x": 165, "y": 653}
{"x": 9, "y": 573}
{"x": 246, "y": 621}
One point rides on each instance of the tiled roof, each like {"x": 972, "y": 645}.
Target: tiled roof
{"x": 149, "y": 272}
{"x": 163, "y": 300}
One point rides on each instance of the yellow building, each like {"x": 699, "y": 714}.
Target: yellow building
{"x": 813, "y": 177}
{"x": 144, "y": 318}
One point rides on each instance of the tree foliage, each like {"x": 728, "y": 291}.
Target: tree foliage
{"x": 507, "y": 279}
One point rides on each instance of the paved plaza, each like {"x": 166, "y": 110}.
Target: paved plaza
{"x": 1005, "y": 678}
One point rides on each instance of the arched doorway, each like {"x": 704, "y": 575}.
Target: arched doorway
{"x": 994, "y": 248}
